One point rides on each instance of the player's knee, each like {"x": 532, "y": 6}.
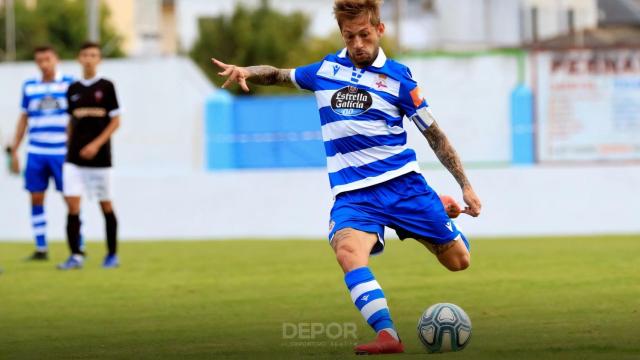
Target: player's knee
{"x": 346, "y": 252}
{"x": 106, "y": 206}
{"x": 73, "y": 205}
{"x": 464, "y": 262}
{"x": 37, "y": 198}
{"x": 459, "y": 263}
{"x": 74, "y": 209}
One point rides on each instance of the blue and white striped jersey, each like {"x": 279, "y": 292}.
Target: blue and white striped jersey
{"x": 45, "y": 104}
{"x": 361, "y": 112}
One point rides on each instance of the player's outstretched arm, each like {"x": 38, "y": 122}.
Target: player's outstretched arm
{"x": 449, "y": 158}
{"x": 261, "y": 75}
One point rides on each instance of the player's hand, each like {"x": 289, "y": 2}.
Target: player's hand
{"x": 89, "y": 151}
{"x": 233, "y": 74}
{"x": 15, "y": 163}
{"x": 472, "y": 200}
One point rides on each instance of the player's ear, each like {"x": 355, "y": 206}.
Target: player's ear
{"x": 380, "y": 28}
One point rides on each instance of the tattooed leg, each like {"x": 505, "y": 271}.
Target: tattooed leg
{"x": 453, "y": 255}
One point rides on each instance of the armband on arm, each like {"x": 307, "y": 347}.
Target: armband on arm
{"x": 423, "y": 118}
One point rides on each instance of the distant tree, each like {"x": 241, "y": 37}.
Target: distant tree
{"x": 259, "y": 36}
{"x": 249, "y": 37}
{"x": 61, "y": 24}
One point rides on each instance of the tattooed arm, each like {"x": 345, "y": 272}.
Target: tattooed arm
{"x": 269, "y": 75}
{"x": 446, "y": 153}
{"x": 261, "y": 75}
{"x": 449, "y": 158}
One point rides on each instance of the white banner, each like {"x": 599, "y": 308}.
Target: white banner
{"x": 588, "y": 105}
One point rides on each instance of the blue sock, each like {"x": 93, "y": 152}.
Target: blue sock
{"x": 368, "y": 297}
{"x": 39, "y": 226}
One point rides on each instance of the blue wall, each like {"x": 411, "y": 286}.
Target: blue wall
{"x": 523, "y": 146}
{"x": 262, "y": 132}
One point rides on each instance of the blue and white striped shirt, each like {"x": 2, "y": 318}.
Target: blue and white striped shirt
{"x": 45, "y": 104}
{"x": 361, "y": 112}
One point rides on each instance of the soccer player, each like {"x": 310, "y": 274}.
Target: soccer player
{"x": 44, "y": 114}
{"x": 362, "y": 98}
{"x": 95, "y": 116}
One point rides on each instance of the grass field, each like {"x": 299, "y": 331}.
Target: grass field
{"x": 550, "y": 298}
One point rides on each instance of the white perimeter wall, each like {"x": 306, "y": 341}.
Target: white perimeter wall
{"x": 162, "y": 102}
{"x": 470, "y": 98}
{"x": 161, "y": 191}
{"x": 517, "y": 201}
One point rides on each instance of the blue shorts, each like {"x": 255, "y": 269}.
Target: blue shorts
{"x": 406, "y": 204}
{"x": 40, "y": 168}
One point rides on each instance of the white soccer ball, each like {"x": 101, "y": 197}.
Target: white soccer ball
{"x": 444, "y": 327}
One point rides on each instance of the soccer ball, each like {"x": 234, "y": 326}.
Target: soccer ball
{"x": 444, "y": 327}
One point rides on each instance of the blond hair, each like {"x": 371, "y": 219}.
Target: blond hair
{"x": 352, "y": 9}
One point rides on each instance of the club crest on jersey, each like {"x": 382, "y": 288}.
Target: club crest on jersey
{"x": 48, "y": 103}
{"x": 98, "y": 95}
{"x": 381, "y": 83}
{"x": 351, "y": 101}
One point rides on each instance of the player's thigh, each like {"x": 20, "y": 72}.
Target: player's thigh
{"x": 352, "y": 247}
{"x": 355, "y": 212}
{"x": 55, "y": 165}
{"x": 73, "y": 185}
{"x": 98, "y": 183}
{"x": 36, "y": 174}
{"x": 354, "y": 239}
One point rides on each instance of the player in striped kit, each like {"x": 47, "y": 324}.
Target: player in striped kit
{"x": 44, "y": 115}
{"x": 362, "y": 98}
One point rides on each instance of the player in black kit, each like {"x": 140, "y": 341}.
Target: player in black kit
{"x": 95, "y": 116}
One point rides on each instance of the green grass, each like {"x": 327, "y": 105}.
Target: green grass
{"x": 549, "y": 298}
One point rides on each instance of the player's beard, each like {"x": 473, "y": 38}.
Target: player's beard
{"x": 363, "y": 61}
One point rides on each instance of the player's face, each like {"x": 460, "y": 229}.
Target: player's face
{"x": 89, "y": 58}
{"x": 362, "y": 39}
{"x": 46, "y": 61}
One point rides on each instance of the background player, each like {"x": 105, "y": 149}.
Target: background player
{"x": 362, "y": 97}
{"x": 95, "y": 116}
{"x": 44, "y": 114}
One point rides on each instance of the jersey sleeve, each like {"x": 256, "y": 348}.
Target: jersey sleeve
{"x": 24, "y": 105}
{"x": 70, "y": 104}
{"x": 111, "y": 103}
{"x": 412, "y": 103}
{"x": 304, "y": 77}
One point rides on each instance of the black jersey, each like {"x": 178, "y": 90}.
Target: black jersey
{"x": 92, "y": 104}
